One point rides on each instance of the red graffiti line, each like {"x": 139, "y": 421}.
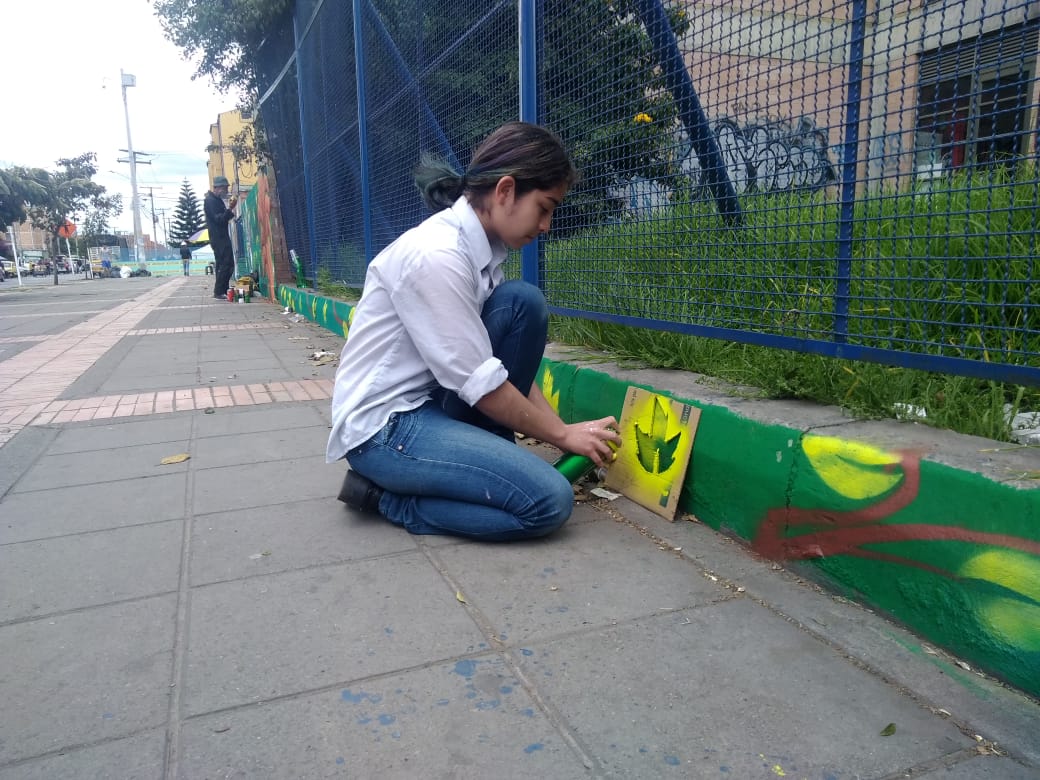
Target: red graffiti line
{"x": 828, "y": 532}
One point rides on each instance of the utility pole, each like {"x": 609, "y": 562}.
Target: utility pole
{"x": 129, "y": 80}
{"x": 155, "y": 219}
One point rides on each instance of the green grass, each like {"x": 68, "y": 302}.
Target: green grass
{"x": 943, "y": 272}
{"x": 946, "y": 272}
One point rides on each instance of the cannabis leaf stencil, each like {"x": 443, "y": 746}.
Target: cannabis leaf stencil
{"x": 656, "y": 452}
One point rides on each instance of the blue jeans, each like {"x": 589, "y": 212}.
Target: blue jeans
{"x": 445, "y": 468}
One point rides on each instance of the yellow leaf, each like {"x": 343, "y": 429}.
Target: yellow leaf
{"x": 460, "y": 597}
{"x": 855, "y": 470}
{"x": 180, "y": 458}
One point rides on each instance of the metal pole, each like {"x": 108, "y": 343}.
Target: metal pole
{"x": 528, "y": 25}
{"x": 129, "y": 80}
{"x": 17, "y": 262}
{"x": 363, "y": 149}
{"x": 677, "y": 79}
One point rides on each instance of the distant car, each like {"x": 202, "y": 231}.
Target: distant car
{"x": 8, "y": 266}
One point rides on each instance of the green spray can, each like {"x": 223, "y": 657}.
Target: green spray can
{"x": 574, "y": 467}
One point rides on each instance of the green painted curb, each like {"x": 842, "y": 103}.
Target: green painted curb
{"x": 950, "y": 553}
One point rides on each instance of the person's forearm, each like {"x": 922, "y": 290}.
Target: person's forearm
{"x": 509, "y": 407}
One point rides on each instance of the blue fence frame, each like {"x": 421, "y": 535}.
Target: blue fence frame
{"x": 855, "y": 179}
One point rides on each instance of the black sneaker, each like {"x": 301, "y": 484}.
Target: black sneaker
{"x": 360, "y": 493}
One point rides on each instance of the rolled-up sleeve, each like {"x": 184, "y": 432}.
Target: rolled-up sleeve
{"x": 489, "y": 376}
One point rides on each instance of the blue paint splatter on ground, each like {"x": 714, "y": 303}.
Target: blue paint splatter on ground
{"x": 465, "y": 668}
{"x": 107, "y": 716}
{"x": 525, "y": 651}
{"x": 528, "y": 712}
{"x": 364, "y": 720}
{"x": 642, "y": 750}
{"x": 671, "y": 760}
{"x": 341, "y": 760}
{"x": 471, "y": 695}
{"x": 533, "y": 747}
{"x": 506, "y": 689}
{"x": 356, "y": 698}
{"x": 388, "y": 631}
{"x": 723, "y": 768}
{"x": 443, "y": 702}
{"x": 386, "y": 720}
{"x": 487, "y": 704}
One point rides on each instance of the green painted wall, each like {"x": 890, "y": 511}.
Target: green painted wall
{"x": 951, "y": 554}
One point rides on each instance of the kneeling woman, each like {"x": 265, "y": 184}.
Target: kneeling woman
{"x": 439, "y": 365}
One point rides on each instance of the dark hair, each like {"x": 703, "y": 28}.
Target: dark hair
{"x": 534, "y": 156}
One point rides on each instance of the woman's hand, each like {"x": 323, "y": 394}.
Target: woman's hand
{"x": 593, "y": 439}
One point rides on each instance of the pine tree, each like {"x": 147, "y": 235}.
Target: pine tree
{"x": 187, "y": 219}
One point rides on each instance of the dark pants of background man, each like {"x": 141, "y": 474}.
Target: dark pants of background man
{"x": 224, "y": 267}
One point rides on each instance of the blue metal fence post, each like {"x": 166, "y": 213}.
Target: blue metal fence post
{"x": 359, "y": 73}
{"x": 308, "y": 194}
{"x": 528, "y": 25}
{"x": 846, "y": 217}
{"x": 677, "y": 79}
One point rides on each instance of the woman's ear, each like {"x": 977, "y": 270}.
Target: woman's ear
{"x": 505, "y": 190}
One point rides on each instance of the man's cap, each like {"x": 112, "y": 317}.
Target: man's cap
{"x": 220, "y": 181}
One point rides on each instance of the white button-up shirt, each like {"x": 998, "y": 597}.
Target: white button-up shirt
{"x": 417, "y": 327}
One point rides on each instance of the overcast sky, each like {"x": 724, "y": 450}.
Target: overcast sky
{"x": 62, "y": 97}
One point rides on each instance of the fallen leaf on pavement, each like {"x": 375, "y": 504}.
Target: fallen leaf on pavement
{"x": 179, "y": 458}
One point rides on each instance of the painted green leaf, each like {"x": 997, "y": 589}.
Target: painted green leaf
{"x": 656, "y": 452}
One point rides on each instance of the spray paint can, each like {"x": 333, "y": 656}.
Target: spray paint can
{"x": 574, "y": 467}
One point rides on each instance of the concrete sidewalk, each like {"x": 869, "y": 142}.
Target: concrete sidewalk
{"x": 225, "y": 616}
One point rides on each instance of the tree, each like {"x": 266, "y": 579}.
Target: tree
{"x": 67, "y": 193}
{"x": 18, "y": 187}
{"x": 187, "y": 218}
{"x": 101, "y": 209}
{"x": 223, "y": 35}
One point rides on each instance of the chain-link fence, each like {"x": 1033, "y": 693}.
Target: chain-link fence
{"x": 857, "y": 179}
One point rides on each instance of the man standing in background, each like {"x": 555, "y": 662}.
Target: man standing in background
{"x": 218, "y": 216}
{"x": 185, "y": 256}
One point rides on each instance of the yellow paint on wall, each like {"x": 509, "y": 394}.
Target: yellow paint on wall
{"x": 852, "y": 469}
{"x": 551, "y": 395}
{"x": 1016, "y": 620}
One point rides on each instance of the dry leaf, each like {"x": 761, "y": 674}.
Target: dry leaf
{"x": 179, "y": 458}
{"x": 459, "y": 597}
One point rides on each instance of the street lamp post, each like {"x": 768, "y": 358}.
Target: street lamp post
{"x": 129, "y": 80}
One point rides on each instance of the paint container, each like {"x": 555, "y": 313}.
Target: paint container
{"x": 574, "y": 467}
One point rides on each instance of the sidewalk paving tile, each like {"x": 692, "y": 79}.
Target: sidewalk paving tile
{"x": 116, "y": 564}
{"x": 137, "y": 757}
{"x": 467, "y": 720}
{"x": 83, "y": 508}
{"x": 729, "y": 690}
{"x": 250, "y": 542}
{"x": 264, "y": 637}
{"x": 96, "y": 674}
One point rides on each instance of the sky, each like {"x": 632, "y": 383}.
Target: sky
{"x": 62, "y": 97}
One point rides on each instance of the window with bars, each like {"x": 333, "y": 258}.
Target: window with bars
{"x": 975, "y": 100}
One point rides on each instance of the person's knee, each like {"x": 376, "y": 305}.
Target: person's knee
{"x": 526, "y": 297}
{"x": 553, "y": 509}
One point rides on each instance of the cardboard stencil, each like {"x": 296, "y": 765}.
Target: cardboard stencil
{"x": 657, "y": 436}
